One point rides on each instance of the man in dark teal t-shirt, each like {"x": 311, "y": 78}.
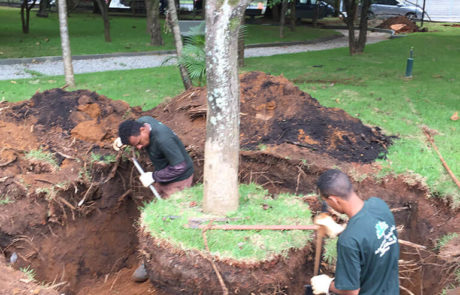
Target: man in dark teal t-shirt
{"x": 367, "y": 250}
{"x": 173, "y": 165}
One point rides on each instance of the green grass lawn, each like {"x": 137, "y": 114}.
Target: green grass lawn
{"x": 86, "y": 33}
{"x": 370, "y": 86}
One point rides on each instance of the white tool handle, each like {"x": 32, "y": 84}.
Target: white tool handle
{"x": 141, "y": 171}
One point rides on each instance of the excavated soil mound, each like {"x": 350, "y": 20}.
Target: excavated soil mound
{"x": 70, "y": 210}
{"x": 399, "y": 24}
{"x": 274, "y": 111}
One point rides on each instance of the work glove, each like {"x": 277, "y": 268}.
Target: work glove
{"x": 332, "y": 228}
{"x": 147, "y": 179}
{"x": 320, "y": 284}
{"x": 117, "y": 144}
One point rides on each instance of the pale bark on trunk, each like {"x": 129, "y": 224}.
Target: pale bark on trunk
{"x": 174, "y": 24}
{"x": 65, "y": 44}
{"x": 153, "y": 22}
{"x": 223, "y": 20}
{"x": 105, "y": 17}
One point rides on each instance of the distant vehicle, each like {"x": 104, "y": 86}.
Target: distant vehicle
{"x": 391, "y": 8}
{"x": 256, "y": 8}
{"x": 308, "y": 8}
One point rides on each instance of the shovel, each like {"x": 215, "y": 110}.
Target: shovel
{"x": 141, "y": 171}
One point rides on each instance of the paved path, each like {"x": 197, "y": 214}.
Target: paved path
{"x": 11, "y": 69}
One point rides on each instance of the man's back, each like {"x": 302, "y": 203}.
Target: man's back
{"x": 368, "y": 251}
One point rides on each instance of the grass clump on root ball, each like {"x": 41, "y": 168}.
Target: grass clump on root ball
{"x": 166, "y": 220}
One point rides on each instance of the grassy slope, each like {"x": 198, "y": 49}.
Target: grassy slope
{"x": 373, "y": 88}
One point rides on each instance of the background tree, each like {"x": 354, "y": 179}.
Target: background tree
{"x": 223, "y": 20}
{"x": 65, "y": 43}
{"x": 43, "y": 8}
{"x": 104, "y": 9}
{"x": 356, "y": 46}
{"x": 174, "y": 24}
{"x": 153, "y": 21}
{"x": 25, "y": 15}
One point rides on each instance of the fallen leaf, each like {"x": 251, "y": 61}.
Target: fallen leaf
{"x": 454, "y": 117}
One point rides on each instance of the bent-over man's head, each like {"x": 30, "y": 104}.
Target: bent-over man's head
{"x": 334, "y": 182}
{"x": 134, "y": 133}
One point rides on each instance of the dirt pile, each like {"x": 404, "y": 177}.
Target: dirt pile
{"x": 399, "y": 24}
{"x": 272, "y": 112}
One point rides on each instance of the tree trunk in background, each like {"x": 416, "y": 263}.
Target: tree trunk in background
{"x": 315, "y": 16}
{"x": 153, "y": 22}
{"x": 292, "y": 16}
{"x": 174, "y": 24}
{"x": 105, "y": 17}
{"x": 43, "y": 8}
{"x": 284, "y": 6}
{"x": 223, "y": 20}
{"x": 363, "y": 27}
{"x": 65, "y": 44}
{"x": 351, "y": 7}
{"x": 25, "y": 15}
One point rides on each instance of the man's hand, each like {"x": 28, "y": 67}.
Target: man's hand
{"x": 320, "y": 284}
{"x": 147, "y": 179}
{"x": 332, "y": 228}
{"x": 117, "y": 144}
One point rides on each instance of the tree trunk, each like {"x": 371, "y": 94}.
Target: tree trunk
{"x": 105, "y": 16}
{"x": 292, "y": 16}
{"x": 223, "y": 20}
{"x": 65, "y": 44}
{"x": 315, "y": 15}
{"x": 25, "y": 15}
{"x": 363, "y": 27}
{"x": 153, "y": 22}
{"x": 284, "y": 5}
{"x": 43, "y": 8}
{"x": 174, "y": 24}
{"x": 356, "y": 46}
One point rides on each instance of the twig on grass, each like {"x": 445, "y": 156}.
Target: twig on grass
{"x": 430, "y": 139}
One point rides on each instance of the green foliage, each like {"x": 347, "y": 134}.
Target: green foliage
{"x": 445, "y": 239}
{"x": 43, "y": 156}
{"x": 330, "y": 251}
{"x": 4, "y": 200}
{"x": 29, "y": 272}
{"x": 107, "y": 159}
{"x": 166, "y": 219}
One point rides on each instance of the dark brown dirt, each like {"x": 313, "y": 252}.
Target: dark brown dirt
{"x": 91, "y": 249}
{"x": 400, "y": 24}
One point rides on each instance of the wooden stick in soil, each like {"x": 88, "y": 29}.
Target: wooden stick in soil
{"x": 319, "y": 244}
{"x": 219, "y": 277}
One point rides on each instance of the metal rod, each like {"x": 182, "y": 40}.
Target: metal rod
{"x": 258, "y": 227}
{"x": 141, "y": 171}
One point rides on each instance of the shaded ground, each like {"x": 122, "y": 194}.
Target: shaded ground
{"x": 74, "y": 220}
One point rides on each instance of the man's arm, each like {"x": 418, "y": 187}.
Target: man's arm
{"x": 333, "y": 289}
{"x": 169, "y": 173}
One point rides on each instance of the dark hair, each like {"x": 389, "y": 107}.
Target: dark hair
{"x": 334, "y": 182}
{"x": 129, "y": 128}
